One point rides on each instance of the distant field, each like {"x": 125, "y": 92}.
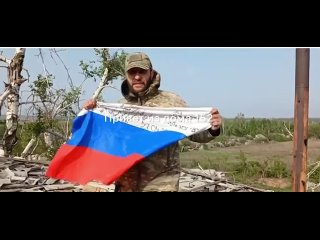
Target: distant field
{"x": 230, "y": 159}
{"x": 247, "y": 163}
{"x": 253, "y": 152}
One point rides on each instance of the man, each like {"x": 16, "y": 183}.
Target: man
{"x": 161, "y": 171}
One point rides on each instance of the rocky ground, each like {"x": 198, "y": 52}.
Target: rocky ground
{"x": 20, "y": 175}
{"x": 199, "y": 180}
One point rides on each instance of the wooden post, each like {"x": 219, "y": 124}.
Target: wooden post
{"x": 300, "y": 140}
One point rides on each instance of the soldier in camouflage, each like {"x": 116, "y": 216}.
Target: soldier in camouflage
{"x": 160, "y": 171}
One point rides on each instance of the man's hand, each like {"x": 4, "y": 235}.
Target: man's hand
{"x": 90, "y": 104}
{"x": 216, "y": 119}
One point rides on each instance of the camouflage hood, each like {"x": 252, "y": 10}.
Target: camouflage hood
{"x": 151, "y": 91}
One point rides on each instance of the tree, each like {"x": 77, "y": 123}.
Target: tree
{"x": 54, "y": 108}
{"x": 115, "y": 63}
{"x": 11, "y": 95}
{"x": 51, "y": 109}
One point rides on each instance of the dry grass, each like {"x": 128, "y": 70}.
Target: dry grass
{"x": 226, "y": 159}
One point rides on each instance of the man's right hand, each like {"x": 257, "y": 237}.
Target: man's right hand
{"x": 90, "y": 104}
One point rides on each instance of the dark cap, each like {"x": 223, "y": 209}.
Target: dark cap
{"x": 138, "y": 60}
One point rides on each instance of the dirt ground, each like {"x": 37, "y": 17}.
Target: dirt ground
{"x": 256, "y": 152}
{"x": 282, "y": 150}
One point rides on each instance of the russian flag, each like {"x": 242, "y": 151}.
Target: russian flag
{"x": 110, "y": 139}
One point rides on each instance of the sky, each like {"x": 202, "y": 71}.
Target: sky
{"x": 258, "y": 82}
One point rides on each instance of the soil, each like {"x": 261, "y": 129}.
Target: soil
{"x": 282, "y": 150}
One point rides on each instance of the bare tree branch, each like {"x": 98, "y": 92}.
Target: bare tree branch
{"x": 288, "y": 130}
{"x": 35, "y": 147}
{"x": 30, "y": 111}
{"x": 204, "y": 175}
{"x": 27, "y": 74}
{"x": 36, "y": 107}
{"x": 3, "y": 97}
{"x": 56, "y": 134}
{"x": 32, "y": 102}
{"x": 43, "y": 64}
{"x": 50, "y": 52}
{"x": 67, "y": 127}
{"x": 317, "y": 165}
{"x": 28, "y": 147}
{"x": 102, "y": 84}
{"x": 4, "y": 59}
{"x": 60, "y": 109}
{"x": 44, "y": 105}
{"x": 65, "y": 67}
{"x": 113, "y": 87}
{"x": 54, "y": 103}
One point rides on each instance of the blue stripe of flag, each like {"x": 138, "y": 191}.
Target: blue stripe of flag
{"x": 120, "y": 139}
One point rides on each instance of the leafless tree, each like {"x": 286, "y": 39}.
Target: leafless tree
{"x": 11, "y": 96}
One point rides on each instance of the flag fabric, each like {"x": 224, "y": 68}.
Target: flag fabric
{"x": 111, "y": 138}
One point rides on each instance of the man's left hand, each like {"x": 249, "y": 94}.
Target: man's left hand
{"x": 216, "y": 119}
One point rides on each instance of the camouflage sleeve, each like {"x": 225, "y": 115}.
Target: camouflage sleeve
{"x": 205, "y": 136}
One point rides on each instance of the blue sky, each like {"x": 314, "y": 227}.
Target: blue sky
{"x": 259, "y": 82}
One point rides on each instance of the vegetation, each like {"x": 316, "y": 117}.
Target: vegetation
{"x": 271, "y": 128}
{"x": 243, "y": 129}
{"x": 314, "y": 171}
{"x": 114, "y": 62}
{"x": 51, "y": 110}
{"x": 246, "y": 168}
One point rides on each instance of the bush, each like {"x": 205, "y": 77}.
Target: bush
{"x": 315, "y": 175}
{"x": 28, "y": 130}
{"x": 314, "y": 130}
{"x": 278, "y": 137}
{"x": 242, "y": 127}
{"x": 248, "y": 168}
{"x": 277, "y": 169}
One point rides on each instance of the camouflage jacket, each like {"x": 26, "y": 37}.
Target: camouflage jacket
{"x": 160, "y": 171}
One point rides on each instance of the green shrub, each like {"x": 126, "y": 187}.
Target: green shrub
{"x": 277, "y": 169}
{"x": 315, "y": 174}
{"x": 314, "y": 130}
{"x": 278, "y": 137}
{"x": 242, "y": 127}
{"x": 247, "y": 168}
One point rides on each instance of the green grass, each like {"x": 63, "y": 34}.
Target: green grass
{"x": 238, "y": 166}
{"x": 242, "y": 167}
{"x": 24, "y": 134}
{"x": 208, "y": 159}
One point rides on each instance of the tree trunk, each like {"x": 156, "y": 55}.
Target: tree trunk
{"x": 48, "y": 139}
{"x": 15, "y": 80}
{"x": 27, "y": 149}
